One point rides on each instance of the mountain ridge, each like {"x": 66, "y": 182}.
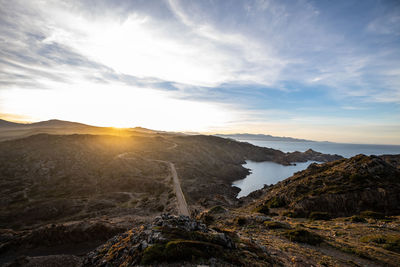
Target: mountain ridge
{"x": 262, "y": 137}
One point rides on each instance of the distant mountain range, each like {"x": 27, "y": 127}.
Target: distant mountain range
{"x": 60, "y": 124}
{"x": 12, "y": 130}
{"x": 49, "y": 123}
{"x": 262, "y": 137}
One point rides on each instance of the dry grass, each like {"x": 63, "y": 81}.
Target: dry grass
{"x": 343, "y": 239}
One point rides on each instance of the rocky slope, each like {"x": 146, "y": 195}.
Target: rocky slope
{"x": 340, "y": 188}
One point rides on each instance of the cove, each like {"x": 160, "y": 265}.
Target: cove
{"x": 266, "y": 173}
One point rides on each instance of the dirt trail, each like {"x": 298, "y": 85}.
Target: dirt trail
{"x": 182, "y": 205}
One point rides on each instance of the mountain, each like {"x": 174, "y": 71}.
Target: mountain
{"x": 42, "y": 124}
{"x": 261, "y": 137}
{"x": 4, "y": 123}
{"x": 11, "y": 130}
{"x": 57, "y": 124}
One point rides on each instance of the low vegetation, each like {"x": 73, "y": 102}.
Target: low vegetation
{"x": 318, "y": 215}
{"x": 389, "y": 242}
{"x": 372, "y": 215}
{"x": 303, "y": 236}
{"x": 262, "y": 209}
{"x": 357, "y": 219}
{"x": 275, "y": 202}
{"x": 276, "y": 225}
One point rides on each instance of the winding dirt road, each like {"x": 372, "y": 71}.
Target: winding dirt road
{"x": 182, "y": 205}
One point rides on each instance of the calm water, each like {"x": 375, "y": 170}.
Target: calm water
{"x": 345, "y": 150}
{"x": 271, "y": 173}
{"x": 266, "y": 173}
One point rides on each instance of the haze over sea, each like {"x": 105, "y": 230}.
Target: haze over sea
{"x": 270, "y": 173}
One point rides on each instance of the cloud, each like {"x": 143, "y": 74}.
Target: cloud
{"x": 195, "y": 44}
{"x": 264, "y": 59}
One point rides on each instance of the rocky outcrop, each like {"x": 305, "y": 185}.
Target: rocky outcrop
{"x": 341, "y": 188}
{"x": 177, "y": 240}
{"x": 310, "y": 155}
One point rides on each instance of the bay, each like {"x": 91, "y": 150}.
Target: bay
{"x": 271, "y": 173}
{"x": 266, "y": 173}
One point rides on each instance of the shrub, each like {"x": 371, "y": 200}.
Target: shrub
{"x": 275, "y": 225}
{"x": 241, "y": 221}
{"x": 208, "y": 218}
{"x": 393, "y": 245}
{"x": 262, "y": 209}
{"x": 217, "y": 210}
{"x": 389, "y": 242}
{"x": 160, "y": 208}
{"x": 292, "y": 214}
{"x": 317, "y": 215}
{"x": 179, "y": 250}
{"x": 153, "y": 254}
{"x": 356, "y": 178}
{"x": 372, "y": 214}
{"x": 303, "y": 236}
{"x": 357, "y": 219}
{"x": 188, "y": 249}
{"x": 276, "y": 202}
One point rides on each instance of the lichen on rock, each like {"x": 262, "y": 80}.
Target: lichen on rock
{"x": 171, "y": 239}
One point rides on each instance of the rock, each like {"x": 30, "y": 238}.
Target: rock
{"x": 261, "y": 219}
{"x": 175, "y": 239}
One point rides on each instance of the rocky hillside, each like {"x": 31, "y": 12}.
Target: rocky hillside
{"x": 50, "y": 182}
{"x": 340, "y": 188}
{"x": 64, "y": 196}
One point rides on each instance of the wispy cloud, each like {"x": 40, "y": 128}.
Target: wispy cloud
{"x": 260, "y": 60}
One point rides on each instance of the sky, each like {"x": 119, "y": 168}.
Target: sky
{"x": 320, "y": 70}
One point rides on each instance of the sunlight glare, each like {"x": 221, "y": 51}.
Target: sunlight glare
{"x": 121, "y": 106}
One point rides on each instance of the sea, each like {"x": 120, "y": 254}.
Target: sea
{"x": 270, "y": 173}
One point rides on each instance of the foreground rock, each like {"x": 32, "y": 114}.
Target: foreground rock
{"x": 341, "y": 188}
{"x": 172, "y": 240}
